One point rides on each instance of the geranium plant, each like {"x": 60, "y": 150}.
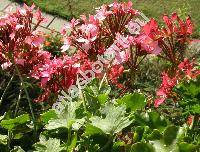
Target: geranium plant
{"x": 98, "y": 59}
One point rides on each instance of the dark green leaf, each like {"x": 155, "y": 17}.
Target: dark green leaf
{"x": 185, "y": 147}
{"x": 170, "y": 134}
{"x": 155, "y": 135}
{"x": 142, "y": 147}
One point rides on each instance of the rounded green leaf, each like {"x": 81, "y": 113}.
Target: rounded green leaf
{"x": 170, "y": 134}
{"x": 133, "y": 101}
{"x": 142, "y": 147}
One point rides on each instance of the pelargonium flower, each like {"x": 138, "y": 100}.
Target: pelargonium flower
{"x": 106, "y": 32}
{"x": 55, "y": 75}
{"x": 114, "y": 73}
{"x": 18, "y": 42}
{"x": 186, "y": 70}
{"x": 148, "y": 45}
{"x": 172, "y": 38}
{"x": 165, "y": 89}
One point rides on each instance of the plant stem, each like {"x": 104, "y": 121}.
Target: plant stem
{"x": 27, "y": 95}
{"x": 81, "y": 95}
{"x": 4, "y": 93}
{"x": 141, "y": 60}
{"x": 9, "y": 139}
{"x": 10, "y": 134}
{"x": 69, "y": 136}
{"x": 17, "y": 104}
{"x": 104, "y": 76}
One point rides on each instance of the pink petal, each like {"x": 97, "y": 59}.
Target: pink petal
{"x": 44, "y": 81}
{"x": 158, "y": 102}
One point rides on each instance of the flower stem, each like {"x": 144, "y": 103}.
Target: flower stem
{"x": 9, "y": 139}
{"x": 27, "y": 95}
{"x": 69, "y": 136}
{"x": 81, "y": 95}
{"x": 105, "y": 74}
{"x": 17, "y": 104}
{"x": 4, "y": 93}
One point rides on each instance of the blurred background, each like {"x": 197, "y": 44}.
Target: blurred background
{"x": 151, "y": 8}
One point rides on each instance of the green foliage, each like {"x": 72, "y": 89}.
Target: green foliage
{"x": 190, "y": 94}
{"x": 10, "y": 124}
{"x": 185, "y": 147}
{"x": 114, "y": 121}
{"x": 51, "y": 114}
{"x": 142, "y": 147}
{"x": 70, "y": 126}
{"x": 3, "y": 139}
{"x": 50, "y": 145}
{"x": 134, "y": 101}
{"x": 66, "y": 118}
{"x": 17, "y": 149}
{"x": 103, "y": 119}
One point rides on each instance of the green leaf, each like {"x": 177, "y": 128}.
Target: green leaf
{"x": 155, "y": 135}
{"x": 92, "y": 130}
{"x": 114, "y": 121}
{"x": 170, "y": 134}
{"x": 169, "y": 142}
{"x": 18, "y": 136}
{"x": 193, "y": 88}
{"x": 50, "y": 145}
{"x": 51, "y": 114}
{"x": 134, "y": 101}
{"x": 102, "y": 98}
{"x": 159, "y": 146}
{"x": 3, "y": 139}
{"x": 2, "y": 117}
{"x": 156, "y": 121}
{"x": 56, "y": 123}
{"x": 17, "y": 149}
{"x": 138, "y": 134}
{"x": 142, "y": 147}
{"x": 78, "y": 123}
{"x": 195, "y": 109}
{"x": 185, "y": 147}
{"x": 10, "y": 124}
{"x": 116, "y": 146}
{"x": 66, "y": 118}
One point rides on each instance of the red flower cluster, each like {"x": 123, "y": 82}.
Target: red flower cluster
{"x": 19, "y": 44}
{"x": 186, "y": 70}
{"x": 107, "y": 33}
{"x": 172, "y": 38}
{"x": 101, "y": 35}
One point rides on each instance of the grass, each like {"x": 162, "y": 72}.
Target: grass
{"x": 151, "y": 8}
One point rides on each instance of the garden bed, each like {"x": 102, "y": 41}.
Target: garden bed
{"x": 115, "y": 82}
